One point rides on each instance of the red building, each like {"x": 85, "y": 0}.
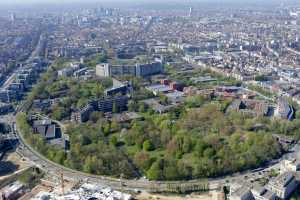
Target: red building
{"x": 164, "y": 82}
{"x": 176, "y": 86}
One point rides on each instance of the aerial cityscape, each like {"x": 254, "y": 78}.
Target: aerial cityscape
{"x": 124, "y": 100}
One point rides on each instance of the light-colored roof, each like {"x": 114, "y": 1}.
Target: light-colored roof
{"x": 283, "y": 179}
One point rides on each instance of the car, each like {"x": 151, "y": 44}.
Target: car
{"x": 123, "y": 184}
{"x": 137, "y": 191}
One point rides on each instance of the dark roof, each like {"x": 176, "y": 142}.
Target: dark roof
{"x": 40, "y": 129}
{"x": 60, "y": 142}
{"x": 41, "y": 122}
{"x": 51, "y": 130}
{"x": 47, "y": 131}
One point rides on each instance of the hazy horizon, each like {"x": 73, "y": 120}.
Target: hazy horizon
{"x": 26, "y": 2}
{"x": 59, "y": 5}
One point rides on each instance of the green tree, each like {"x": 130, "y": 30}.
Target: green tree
{"x": 115, "y": 126}
{"x": 98, "y": 90}
{"x": 88, "y": 165}
{"x": 164, "y": 100}
{"x": 143, "y": 160}
{"x": 96, "y": 116}
{"x": 115, "y": 108}
{"x": 148, "y": 146}
{"x": 142, "y": 107}
{"x": 171, "y": 172}
{"x": 155, "y": 172}
{"x": 113, "y": 140}
{"x": 261, "y": 78}
{"x": 132, "y": 106}
{"x": 58, "y": 113}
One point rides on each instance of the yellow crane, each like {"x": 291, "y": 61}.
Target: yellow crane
{"x": 62, "y": 182}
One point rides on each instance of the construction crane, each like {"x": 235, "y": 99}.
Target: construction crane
{"x": 62, "y": 182}
{"x": 122, "y": 185}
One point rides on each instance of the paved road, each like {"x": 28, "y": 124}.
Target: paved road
{"x": 257, "y": 93}
{"x": 273, "y": 51}
{"x": 292, "y": 50}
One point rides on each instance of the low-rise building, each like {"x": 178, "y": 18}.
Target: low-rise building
{"x": 175, "y": 96}
{"x": 45, "y": 128}
{"x": 141, "y": 70}
{"x": 157, "y": 106}
{"x": 242, "y": 193}
{"x": 41, "y": 104}
{"x": 156, "y": 89}
{"x": 83, "y": 114}
{"x": 122, "y": 89}
{"x": 290, "y": 165}
{"x": 283, "y": 185}
{"x": 80, "y": 72}
{"x": 74, "y": 67}
{"x": 1, "y": 141}
{"x": 62, "y": 143}
{"x": 249, "y": 106}
{"x": 176, "y": 86}
{"x": 284, "y": 110}
{"x": 12, "y": 191}
{"x": 5, "y": 95}
{"x": 191, "y": 91}
{"x": 5, "y": 108}
{"x": 65, "y": 72}
{"x": 261, "y": 193}
{"x": 124, "y": 117}
{"x": 106, "y": 104}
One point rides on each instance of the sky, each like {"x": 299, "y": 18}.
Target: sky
{"x": 14, "y": 4}
{"x": 131, "y": 1}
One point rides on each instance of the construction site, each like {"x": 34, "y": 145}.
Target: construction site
{"x": 32, "y": 183}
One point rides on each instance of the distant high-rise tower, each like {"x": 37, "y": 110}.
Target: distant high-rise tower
{"x": 191, "y": 12}
{"x": 12, "y": 17}
{"x": 82, "y": 60}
